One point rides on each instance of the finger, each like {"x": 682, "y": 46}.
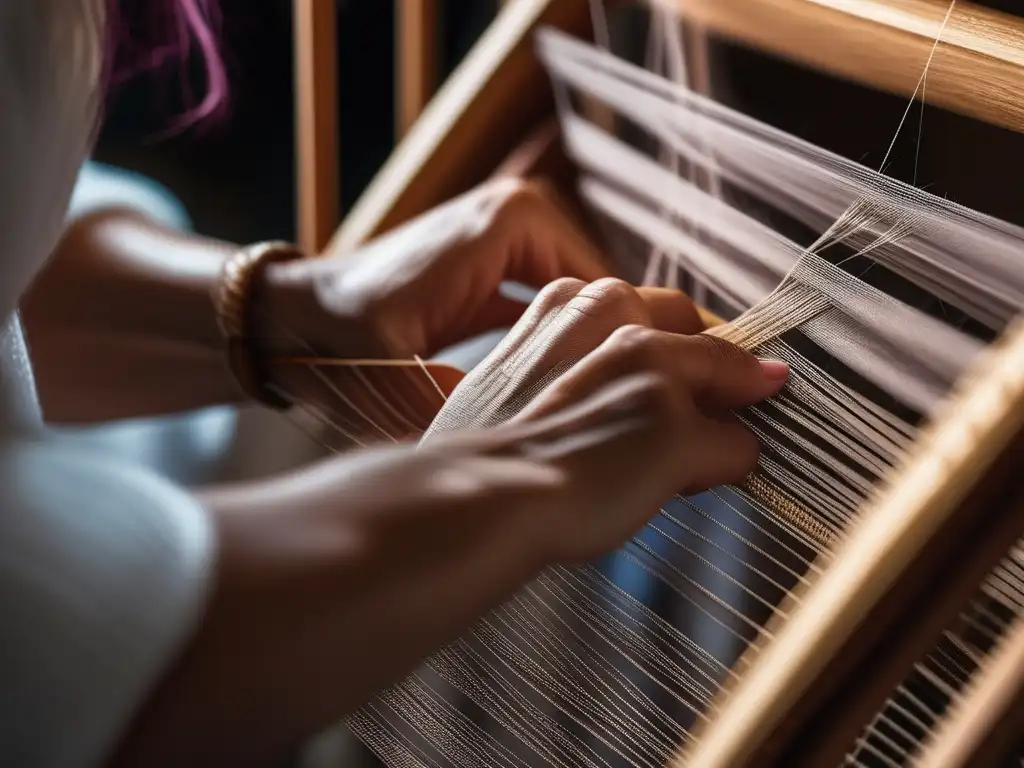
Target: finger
{"x": 576, "y": 255}
{"x": 624, "y": 405}
{"x": 717, "y": 453}
{"x": 612, "y": 303}
{"x": 532, "y": 324}
{"x": 720, "y": 375}
{"x": 549, "y": 301}
{"x": 552, "y": 251}
{"x": 695, "y": 453}
{"x": 714, "y": 374}
{"x": 671, "y": 310}
{"x": 589, "y": 319}
{"x": 593, "y": 314}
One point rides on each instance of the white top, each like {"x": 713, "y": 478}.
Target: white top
{"x": 103, "y": 566}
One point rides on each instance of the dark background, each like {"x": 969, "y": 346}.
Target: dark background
{"x": 236, "y": 176}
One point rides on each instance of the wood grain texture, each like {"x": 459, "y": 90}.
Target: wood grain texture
{"x": 977, "y": 69}
{"x": 500, "y": 93}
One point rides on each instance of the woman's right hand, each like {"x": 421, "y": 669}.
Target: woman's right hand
{"x": 337, "y": 580}
{"x": 640, "y": 413}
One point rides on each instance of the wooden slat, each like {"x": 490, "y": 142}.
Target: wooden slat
{"x": 480, "y": 114}
{"x": 416, "y": 31}
{"x": 977, "y": 70}
{"x": 316, "y": 122}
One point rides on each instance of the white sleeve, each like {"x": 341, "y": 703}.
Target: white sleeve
{"x": 103, "y": 574}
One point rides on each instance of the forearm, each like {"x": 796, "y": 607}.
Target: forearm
{"x": 121, "y": 322}
{"x": 319, "y": 605}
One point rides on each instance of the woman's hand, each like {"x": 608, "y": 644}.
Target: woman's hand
{"x": 435, "y": 281}
{"x": 431, "y": 284}
{"x": 144, "y": 338}
{"x": 338, "y": 580}
{"x": 639, "y": 413}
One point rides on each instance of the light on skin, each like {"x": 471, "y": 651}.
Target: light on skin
{"x": 336, "y": 580}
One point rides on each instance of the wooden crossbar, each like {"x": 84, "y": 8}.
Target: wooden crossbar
{"x": 977, "y": 69}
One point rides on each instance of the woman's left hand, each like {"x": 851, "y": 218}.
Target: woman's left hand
{"x": 435, "y": 281}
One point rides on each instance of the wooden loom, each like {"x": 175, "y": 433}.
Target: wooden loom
{"x": 953, "y": 511}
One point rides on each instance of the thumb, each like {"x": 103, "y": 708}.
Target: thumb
{"x": 718, "y": 453}
{"x": 723, "y": 376}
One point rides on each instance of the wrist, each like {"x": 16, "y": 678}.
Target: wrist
{"x": 463, "y": 502}
{"x": 291, "y": 323}
{"x": 236, "y": 309}
{"x": 284, "y": 307}
{"x": 292, "y": 320}
{"x": 286, "y": 315}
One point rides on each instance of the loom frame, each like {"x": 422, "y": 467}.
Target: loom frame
{"x": 470, "y": 131}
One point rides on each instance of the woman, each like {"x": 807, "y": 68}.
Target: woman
{"x": 143, "y": 625}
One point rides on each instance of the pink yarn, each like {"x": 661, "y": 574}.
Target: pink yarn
{"x": 147, "y": 35}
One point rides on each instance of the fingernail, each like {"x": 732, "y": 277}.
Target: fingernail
{"x": 776, "y": 370}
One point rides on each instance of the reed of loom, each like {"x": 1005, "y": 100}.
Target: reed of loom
{"x": 952, "y": 512}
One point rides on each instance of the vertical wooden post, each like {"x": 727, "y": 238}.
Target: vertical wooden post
{"x": 416, "y": 51}
{"x": 316, "y": 122}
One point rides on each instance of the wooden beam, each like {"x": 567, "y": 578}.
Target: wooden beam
{"x": 416, "y": 51}
{"x": 976, "y": 70}
{"x": 316, "y": 122}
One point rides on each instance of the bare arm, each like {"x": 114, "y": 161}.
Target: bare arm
{"x": 121, "y": 322}
{"x": 331, "y": 586}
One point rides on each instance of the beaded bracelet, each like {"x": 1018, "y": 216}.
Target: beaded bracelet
{"x": 233, "y": 301}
